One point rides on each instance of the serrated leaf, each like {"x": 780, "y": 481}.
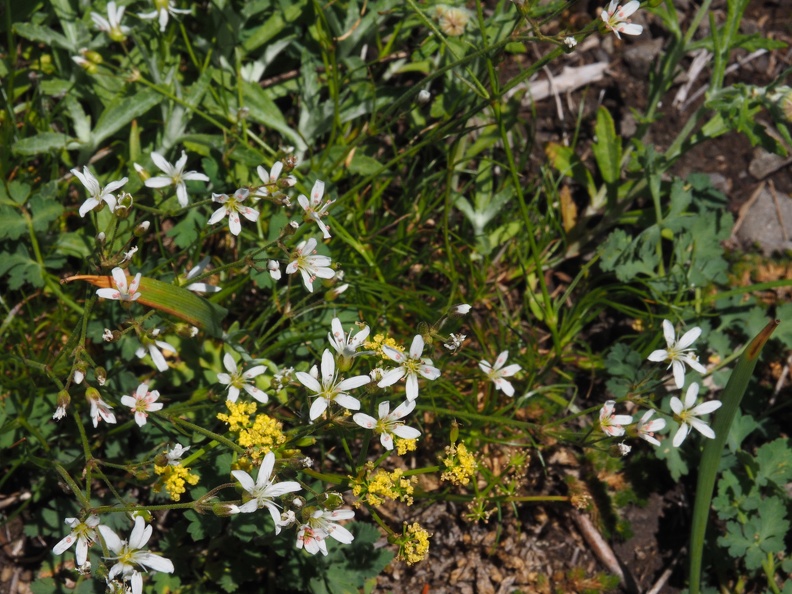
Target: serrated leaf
{"x": 41, "y": 143}
{"x": 21, "y": 269}
{"x": 45, "y": 209}
{"x": 176, "y": 301}
{"x": 44, "y": 35}
{"x": 185, "y": 232}
{"x": 775, "y": 463}
{"x": 12, "y": 223}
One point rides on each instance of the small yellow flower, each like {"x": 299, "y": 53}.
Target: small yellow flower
{"x": 414, "y": 544}
{"x": 380, "y": 485}
{"x": 460, "y": 465}
{"x": 377, "y": 342}
{"x": 405, "y": 445}
{"x": 173, "y": 479}
{"x": 260, "y": 434}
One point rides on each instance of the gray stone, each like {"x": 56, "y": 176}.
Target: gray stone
{"x": 761, "y": 226}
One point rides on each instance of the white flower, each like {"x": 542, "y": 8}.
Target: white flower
{"x": 59, "y": 413}
{"x": 174, "y": 174}
{"x": 97, "y": 192}
{"x": 83, "y": 533}
{"x": 142, "y": 402}
{"x": 315, "y": 209}
{"x": 123, "y": 291}
{"x": 570, "y": 42}
{"x": 112, "y": 24}
{"x": 454, "y": 341}
{"x": 389, "y": 423}
{"x": 163, "y": 8}
{"x": 235, "y": 380}
{"x": 100, "y": 409}
{"x": 272, "y": 183}
{"x": 496, "y": 374}
{"x": 311, "y": 535}
{"x": 107, "y": 335}
{"x": 412, "y": 365}
{"x": 310, "y": 265}
{"x": 616, "y": 18}
{"x": 273, "y": 266}
{"x": 232, "y": 206}
{"x": 197, "y": 270}
{"x": 623, "y": 448}
{"x": 175, "y": 455}
{"x": 678, "y": 353}
{"x": 647, "y": 428}
{"x": 264, "y": 490}
{"x": 331, "y": 389}
{"x": 687, "y": 414}
{"x": 129, "y": 555}
{"x": 611, "y": 423}
{"x": 153, "y": 347}
{"x": 345, "y": 345}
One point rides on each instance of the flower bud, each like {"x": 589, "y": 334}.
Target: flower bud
{"x": 333, "y": 500}
{"x": 333, "y": 293}
{"x": 161, "y": 460}
{"x": 101, "y": 375}
{"x": 224, "y": 509}
{"x": 142, "y": 229}
{"x": 100, "y": 238}
{"x": 142, "y": 173}
{"x": 423, "y": 97}
{"x": 460, "y": 309}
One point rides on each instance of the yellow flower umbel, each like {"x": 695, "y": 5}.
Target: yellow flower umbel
{"x": 173, "y": 479}
{"x": 376, "y": 343}
{"x": 379, "y": 486}
{"x": 460, "y": 465}
{"x": 405, "y": 445}
{"x": 260, "y": 434}
{"x": 413, "y": 544}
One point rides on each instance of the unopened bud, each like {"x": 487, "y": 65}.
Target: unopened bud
{"x": 461, "y": 309}
{"x": 142, "y": 173}
{"x": 333, "y": 293}
{"x": 100, "y": 238}
{"x": 224, "y": 509}
{"x": 142, "y": 229}
{"x": 161, "y": 460}
{"x": 423, "y": 97}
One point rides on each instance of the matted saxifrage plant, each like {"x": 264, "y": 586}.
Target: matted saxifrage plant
{"x": 217, "y": 381}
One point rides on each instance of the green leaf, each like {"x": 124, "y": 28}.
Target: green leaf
{"x": 761, "y": 535}
{"x": 775, "y": 463}
{"x": 45, "y": 207}
{"x": 44, "y": 35}
{"x": 21, "y": 269}
{"x": 607, "y": 149}
{"x": 122, "y": 111}
{"x": 185, "y": 232}
{"x": 12, "y": 223}
{"x": 264, "y": 111}
{"x": 40, "y": 144}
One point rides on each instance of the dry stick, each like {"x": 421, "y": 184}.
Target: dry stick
{"x": 603, "y": 552}
{"x": 661, "y": 582}
{"x": 701, "y": 59}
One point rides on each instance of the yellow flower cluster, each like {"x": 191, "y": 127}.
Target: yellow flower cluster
{"x": 414, "y": 544}
{"x": 173, "y": 478}
{"x": 405, "y": 445}
{"x": 260, "y": 434}
{"x": 375, "y": 344}
{"x": 382, "y": 485}
{"x": 460, "y": 465}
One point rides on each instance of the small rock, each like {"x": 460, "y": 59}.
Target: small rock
{"x": 764, "y": 163}
{"x": 761, "y": 225}
{"x": 640, "y": 56}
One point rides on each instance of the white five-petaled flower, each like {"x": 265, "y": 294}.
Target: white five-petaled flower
{"x": 124, "y": 291}
{"x": 331, "y": 389}
{"x": 411, "y": 365}
{"x": 100, "y": 409}
{"x": 129, "y": 555}
{"x": 389, "y": 423}
{"x": 312, "y": 535}
{"x": 273, "y": 184}
{"x": 112, "y": 24}
{"x": 197, "y": 270}
{"x": 152, "y": 347}
{"x": 611, "y": 423}
{"x": 310, "y": 265}
{"x": 497, "y": 372}
{"x": 233, "y": 207}
{"x": 162, "y": 9}
{"x": 688, "y": 414}
{"x": 83, "y": 533}
{"x": 142, "y": 402}
{"x": 617, "y": 18}
{"x": 263, "y": 491}
{"x": 678, "y": 352}
{"x": 236, "y": 380}
{"x": 314, "y": 208}
{"x": 345, "y": 344}
{"x": 175, "y": 455}
{"x": 98, "y": 193}
{"x": 174, "y": 175}
{"x": 647, "y": 428}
